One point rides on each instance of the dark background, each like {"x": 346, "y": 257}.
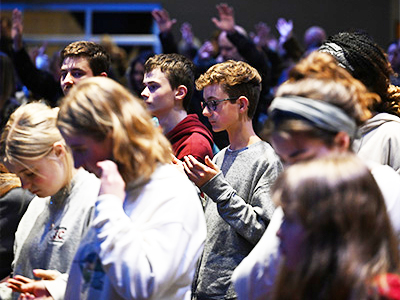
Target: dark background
{"x": 378, "y": 17}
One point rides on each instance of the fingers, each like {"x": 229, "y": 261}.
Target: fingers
{"x": 21, "y": 279}
{"x": 46, "y": 274}
{"x": 111, "y": 180}
{"x": 26, "y": 296}
{"x": 107, "y": 166}
{"x": 156, "y": 15}
{"x": 174, "y": 159}
{"x": 209, "y": 162}
{"x": 216, "y": 22}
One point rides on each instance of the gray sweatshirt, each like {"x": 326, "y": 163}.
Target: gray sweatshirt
{"x": 51, "y": 229}
{"x": 237, "y": 214}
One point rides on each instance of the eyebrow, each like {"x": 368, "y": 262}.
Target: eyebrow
{"x": 72, "y": 69}
{"x": 210, "y": 98}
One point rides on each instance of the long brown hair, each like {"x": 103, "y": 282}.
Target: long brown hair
{"x": 349, "y": 239}
{"x": 99, "y": 107}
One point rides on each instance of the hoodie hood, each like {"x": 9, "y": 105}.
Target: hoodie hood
{"x": 377, "y": 121}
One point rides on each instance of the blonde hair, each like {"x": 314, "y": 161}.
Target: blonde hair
{"x": 237, "y": 79}
{"x": 30, "y": 134}
{"x": 99, "y": 107}
{"x": 8, "y": 181}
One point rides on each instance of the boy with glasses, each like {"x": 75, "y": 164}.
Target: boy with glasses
{"x": 237, "y": 181}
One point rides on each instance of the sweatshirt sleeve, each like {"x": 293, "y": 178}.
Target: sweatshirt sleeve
{"x": 249, "y": 217}
{"x": 57, "y": 287}
{"x": 140, "y": 258}
{"x": 256, "y": 274}
{"x": 39, "y": 82}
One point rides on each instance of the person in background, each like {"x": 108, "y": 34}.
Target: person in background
{"x": 135, "y": 72}
{"x": 169, "y": 86}
{"x": 367, "y": 62}
{"x": 393, "y": 54}
{"x": 13, "y": 203}
{"x": 79, "y": 60}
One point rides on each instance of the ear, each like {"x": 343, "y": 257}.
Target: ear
{"x": 59, "y": 149}
{"x": 180, "y": 92}
{"x": 243, "y": 104}
{"x": 104, "y": 74}
{"x": 342, "y": 141}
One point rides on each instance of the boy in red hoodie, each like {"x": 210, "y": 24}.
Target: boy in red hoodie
{"x": 169, "y": 81}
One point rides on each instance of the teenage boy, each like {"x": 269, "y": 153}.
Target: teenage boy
{"x": 81, "y": 60}
{"x": 237, "y": 181}
{"x": 78, "y": 60}
{"x": 169, "y": 86}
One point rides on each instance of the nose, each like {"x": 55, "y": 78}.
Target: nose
{"x": 26, "y": 184}
{"x": 279, "y": 233}
{"x": 206, "y": 111}
{"x": 145, "y": 93}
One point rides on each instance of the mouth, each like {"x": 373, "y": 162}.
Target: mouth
{"x": 66, "y": 89}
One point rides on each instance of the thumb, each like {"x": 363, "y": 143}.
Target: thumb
{"x": 46, "y": 274}
{"x": 209, "y": 162}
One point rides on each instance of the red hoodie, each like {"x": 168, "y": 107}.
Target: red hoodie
{"x": 192, "y": 137}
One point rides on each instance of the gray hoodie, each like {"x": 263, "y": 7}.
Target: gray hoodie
{"x": 380, "y": 140}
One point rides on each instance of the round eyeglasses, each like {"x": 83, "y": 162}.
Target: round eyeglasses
{"x": 213, "y": 104}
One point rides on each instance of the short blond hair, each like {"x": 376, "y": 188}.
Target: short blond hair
{"x": 237, "y": 78}
{"x": 30, "y": 134}
{"x": 99, "y": 107}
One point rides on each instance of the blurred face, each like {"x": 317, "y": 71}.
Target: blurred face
{"x": 137, "y": 77}
{"x": 73, "y": 70}
{"x": 297, "y": 147}
{"x": 226, "y": 114}
{"x": 292, "y": 236}
{"x": 393, "y": 53}
{"x": 227, "y": 49}
{"x": 158, "y": 94}
{"x": 88, "y": 151}
{"x": 43, "y": 177}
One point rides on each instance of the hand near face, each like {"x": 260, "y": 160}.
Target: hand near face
{"x": 226, "y": 21}
{"x": 111, "y": 180}
{"x": 198, "y": 172}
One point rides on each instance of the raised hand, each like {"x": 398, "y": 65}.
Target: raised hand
{"x": 207, "y": 50}
{"x": 187, "y": 33}
{"x": 17, "y": 29}
{"x": 164, "y": 22}
{"x": 285, "y": 28}
{"x": 226, "y": 21}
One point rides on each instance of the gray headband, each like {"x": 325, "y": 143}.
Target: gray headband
{"x": 337, "y": 52}
{"x": 322, "y": 114}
